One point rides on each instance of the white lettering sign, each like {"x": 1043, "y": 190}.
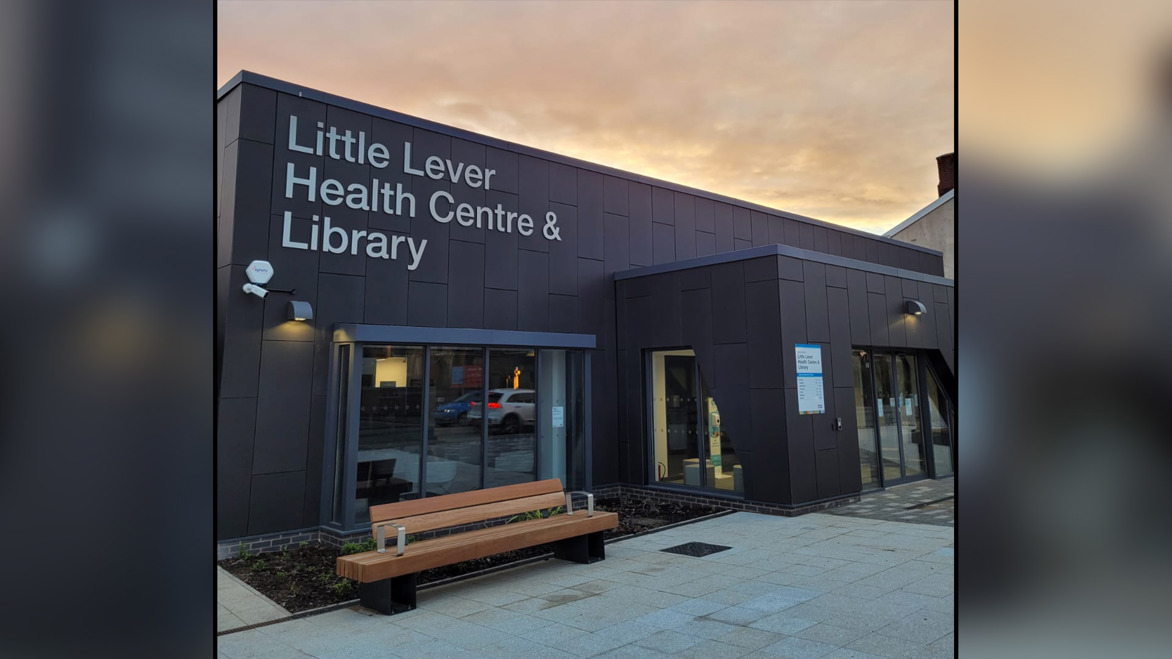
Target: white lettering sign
{"x": 305, "y": 181}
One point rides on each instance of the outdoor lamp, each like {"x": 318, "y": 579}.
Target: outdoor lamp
{"x": 299, "y": 310}
{"x": 914, "y": 307}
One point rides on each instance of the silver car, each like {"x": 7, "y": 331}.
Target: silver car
{"x": 509, "y": 410}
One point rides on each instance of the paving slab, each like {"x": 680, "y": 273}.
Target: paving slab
{"x": 240, "y": 605}
{"x": 819, "y": 585}
{"x": 928, "y": 502}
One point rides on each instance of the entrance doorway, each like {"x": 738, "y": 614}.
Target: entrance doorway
{"x": 897, "y": 397}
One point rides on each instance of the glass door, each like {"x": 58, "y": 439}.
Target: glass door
{"x": 887, "y": 418}
{"x": 900, "y": 439}
{"x": 865, "y": 416}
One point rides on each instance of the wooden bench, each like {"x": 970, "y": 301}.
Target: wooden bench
{"x": 387, "y": 576}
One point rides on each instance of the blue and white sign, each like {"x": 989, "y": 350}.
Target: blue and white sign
{"x": 810, "y": 397}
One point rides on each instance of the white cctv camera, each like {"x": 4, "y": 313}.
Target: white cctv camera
{"x": 255, "y": 290}
{"x": 258, "y": 272}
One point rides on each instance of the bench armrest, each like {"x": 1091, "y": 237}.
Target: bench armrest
{"x": 382, "y": 538}
{"x": 589, "y": 503}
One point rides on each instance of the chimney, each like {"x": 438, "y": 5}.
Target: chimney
{"x": 946, "y": 164}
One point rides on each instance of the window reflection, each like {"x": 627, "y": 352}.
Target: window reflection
{"x": 390, "y": 426}
{"x": 512, "y": 417}
{"x": 454, "y": 436}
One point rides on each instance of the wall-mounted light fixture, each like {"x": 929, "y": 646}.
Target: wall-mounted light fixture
{"x": 914, "y": 307}
{"x": 299, "y": 310}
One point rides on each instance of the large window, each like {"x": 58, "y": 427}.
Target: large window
{"x": 433, "y": 420}
{"x": 686, "y": 429}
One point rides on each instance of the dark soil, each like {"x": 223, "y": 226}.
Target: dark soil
{"x": 304, "y": 578}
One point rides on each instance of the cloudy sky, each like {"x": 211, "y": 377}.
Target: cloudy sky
{"x": 834, "y": 110}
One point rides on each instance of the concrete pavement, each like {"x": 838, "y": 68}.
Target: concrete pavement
{"x": 812, "y": 586}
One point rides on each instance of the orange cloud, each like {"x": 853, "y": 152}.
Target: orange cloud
{"x": 832, "y": 110}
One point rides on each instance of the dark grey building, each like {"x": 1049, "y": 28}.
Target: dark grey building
{"x": 447, "y": 311}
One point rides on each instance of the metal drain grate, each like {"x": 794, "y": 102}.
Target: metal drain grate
{"x": 695, "y": 549}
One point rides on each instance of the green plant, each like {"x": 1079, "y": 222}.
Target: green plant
{"x": 368, "y": 544}
{"x": 244, "y": 554}
{"x": 281, "y": 574}
{"x": 343, "y": 587}
{"x": 259, "y": 564}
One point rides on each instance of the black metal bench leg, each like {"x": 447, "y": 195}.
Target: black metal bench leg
{"x": 389, "y": 596}
{"x": 581, "y": 549}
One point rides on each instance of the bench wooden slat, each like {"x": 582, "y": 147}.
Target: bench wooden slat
{"x": 470, "y": 514}
{"x": 390, "y": 511}
{"x": 372, "y": 566}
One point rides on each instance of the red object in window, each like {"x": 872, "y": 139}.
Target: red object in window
{"x": 473, "y": 404}
{"x": 494, "y": 406}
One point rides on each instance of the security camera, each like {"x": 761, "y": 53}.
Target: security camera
{"x": 255, "y": 290}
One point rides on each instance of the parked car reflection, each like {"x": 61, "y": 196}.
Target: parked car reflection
{"x": 509, "y": 410}
{"x": 456, "y": 411}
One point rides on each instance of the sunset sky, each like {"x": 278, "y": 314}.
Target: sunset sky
{"x": 834, "y": 110}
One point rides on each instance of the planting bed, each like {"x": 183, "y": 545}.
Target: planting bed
{"x": 303, "y": 578}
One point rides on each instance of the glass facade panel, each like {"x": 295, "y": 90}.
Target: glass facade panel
{"x": 340, "y": 432}
{"x": 908, "y": 399}
{"x": 941, "y": 433}
{"x": 673, "y": 415}
{"x": 382, "y": 400}
{"x": 512, "y": 417}
{"x": 454, "y": 438}
{"x": 887, "y": 418}
{"x": 865, "y": 418}
{"x": 390, "y": 427}
{"x": 560, "y": 416}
